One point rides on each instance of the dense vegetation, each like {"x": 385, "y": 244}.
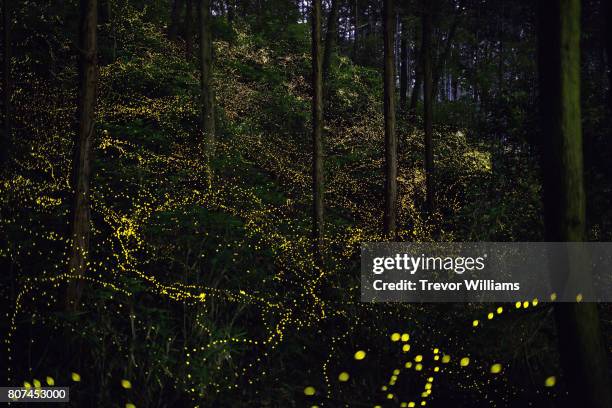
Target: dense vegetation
{"x": 200, "y": 286}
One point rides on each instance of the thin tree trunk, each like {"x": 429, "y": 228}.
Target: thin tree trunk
{"x": 330, "y": 38}
{"x": 206, "y": 86}
{"x": 581, "y": 347}
{"x": 175, "y": 15}
{"x": 390, "y": 136}
{"x": 317, "y": 134}
{"x": 88, "y": 74}
{"x": 6, "y": 82}
{"x": 189, "y": 29}
{"x": 403, "y": 65}
{"x": 428, "y": 107}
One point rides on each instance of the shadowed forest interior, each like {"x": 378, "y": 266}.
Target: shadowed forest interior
{"x": 186, "y": 184}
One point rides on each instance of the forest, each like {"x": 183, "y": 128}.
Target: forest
{"x": 186, "y": 186}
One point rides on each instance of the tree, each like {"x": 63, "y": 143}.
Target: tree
{"x": 330, "y": 37}
{"x": 6, "y": 81}
{"x": 390, "y": 215}
{"x": 206, "y": 87}
{"x": 442, "y": 58}
{"x": 583, "y": 356}
{"x": 81, "y": 170}
{"x": 317, "y": 132}
{"x": 607, "y": 5}
{"x": 428, "y": 105}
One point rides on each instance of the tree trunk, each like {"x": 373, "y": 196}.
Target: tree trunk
{"x": 175, "y": 15}
{"x": 6, "y": 82}
{"x": 390, "y": 136}
{"x": 404, "y": 65}
{"x": 428, "y": 107}
{"x": 188, "y": 29}
{"x": 581, "y": 347}
{"x": 88, "y": 67}
{"x": 330, "y": 38}
{"x": 206, "y": 86}
{"x": 317, "y": 134}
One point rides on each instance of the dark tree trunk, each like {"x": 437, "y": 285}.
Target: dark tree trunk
{"x": 206, "y": 86}
{"x": 88, "y": 77}
{"x": 175, "y": 16}
{"x": 389, "y": 107}
{"x": 403, "y": 65}
{"x": 583, "y": 354}
{"x": 428, "y": 107}
{"x": 6, "y": 82}
{"x": 317, "y": 134}
{"x": 330, "y": 38}
{"x": 189, "y": 29}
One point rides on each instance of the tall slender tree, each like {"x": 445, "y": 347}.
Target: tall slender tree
{"x": 206, "y": 86}
{"x": 418, "y": 74}
{"x": 330, "y": 38}
{"x": 390, "y": 216}
{"x": 428, "y": 104}
{"x": 583, "y": 355}
{"x": 317, "y": 133}
{"x": 81, "y": 170}
{"x": 6, "y": 81}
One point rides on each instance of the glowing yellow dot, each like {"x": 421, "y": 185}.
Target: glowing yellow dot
{"x": 406, "y": 348}
{"x": 418, "y": 358}
{"x": 395, "y": 337}
{"x": 475, "y": 323}
{"x": 436, "y": 369}
{"x": 490, "y": 315}
{"x": 418, "y": 367}
{"x": 550, "y": 381}
{"x": 445, "y": 358}
{"x": 464, "y": 361}
{"x": 430, "y": 379}
{"x": 27, "y": 385}
{"x": 405, "y": 337}
{"x": 500, "y": 310}
{"x": 310, "y": 390}
{"x": 126, "y": 384}
{"x": 130, "y": 405}
{"x": 411, "y": 404}
{"x": 389, "y": 396}
{"x": 423, "y": 403}
{"x": 525, "y": 304}
{"x": 579, "y": 297}
{"x": 360, "y": 355}
{"x": 535, "y": 302}
{"x": 408, "y": 364}
{"x": 404, "y": 404}
{"x": 518, "y": 305}
{"x": 384, "y": 388}
{"x": 75, "y": 377}
{"x": 36, "y": 383}
{"x": 344, "y": 376}
{"x": 50, "y": 381}
{"x": 436, "y": 350}
{"x": 496, "y": 368}
{"x": 396, "y": 371}
{"x": 428, "y": 386}
{"x": 553, "y": 296}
